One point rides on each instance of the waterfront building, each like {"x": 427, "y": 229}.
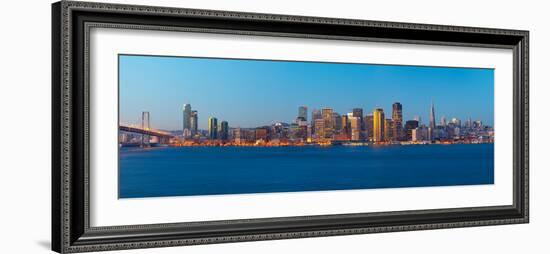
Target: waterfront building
{"x": 194, "y": 121}
{"x": 261, "y": 134}
{"x": 224, "y": 130}
{"x": 337, "y": 121}
{"x": 431, "y": 128}
{"x": 378, "y": 125}
{"x": 397, "y": 121}
{"x": 319, "y": 128}
{"x": 409, "y": 127}
{"x": 355, "y": 124}
{"x": 302, "y": 113}
{"x": 369, "y": 126}
{"x": 358, "y": 112}
{"x": 238, "y": 135}
{"x": 346, "y": 126}
{"x": 388, "y": 127}
{"x": 315, "y": 114}
{"x": 420, "y": 134}
{"x": 327, "y": 114}
{"x": 187, "y": 117}
{"x": 213, "y": 128}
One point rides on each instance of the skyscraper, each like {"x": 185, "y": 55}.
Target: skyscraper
{"x": 432, "y": 122}
{"x": 315, "y": 114}
{"x": 337, "y": 121}
{"x": 397, "y": 121}
{"x": 388, "y": 127}
{"x": 302, "y": 113}
{"x": 194, "y": 121}
{"x": 224, "y": 131}
{"x": 358, "y": 112}
{"x": 346, "y": 127}
{"x": 327, "y": 114}
{"x": 186, "y": 117}
{"x": 355, "y": 124}
{"x": 369, "y": 125}
{"x": 213, "y": 128}
{"x": 378, "y": 125}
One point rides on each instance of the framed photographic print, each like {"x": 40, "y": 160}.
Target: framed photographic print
{"x": 181, "y": 126}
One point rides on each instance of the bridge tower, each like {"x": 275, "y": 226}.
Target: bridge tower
{"x": 145, "y": 125}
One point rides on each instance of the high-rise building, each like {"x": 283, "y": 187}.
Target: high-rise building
{"x": 397, "y": 121}
{"x": 224, "y": 131}
{"x": 315, "y": 114}
{"x": 213, "y": 128}
{"x": 358, "y": 112}
{"x": 388, "y": 127}
{"x": 319, "y": 128}
{"x": 194, "y": 121}
{"x": 355, "y": 124}
{"x": 431, "y": 128}
{"x": 337, "y": 121}
{"x": 378, "y": 125}
{"x": 409, "y": 127}
{"x": 327, "y": 114}
{"x": 443, "y": 121}
{"x": 346, "y": 126}
{"x": 369, "y": 125}
{"x": 187, "y": 117}
{"x": 302, "y": 113}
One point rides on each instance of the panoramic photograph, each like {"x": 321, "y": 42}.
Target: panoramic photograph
{"x": 211, "y": 126}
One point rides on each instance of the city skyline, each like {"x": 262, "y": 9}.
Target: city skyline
{"x": 263, "y": 104}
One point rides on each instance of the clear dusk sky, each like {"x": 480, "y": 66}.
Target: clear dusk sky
{"x": 251, "y": 93}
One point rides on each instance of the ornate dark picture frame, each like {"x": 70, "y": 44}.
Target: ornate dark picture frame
{"x": 71, "y": 22}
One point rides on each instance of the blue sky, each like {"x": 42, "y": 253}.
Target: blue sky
{"x": 250, "y": 93}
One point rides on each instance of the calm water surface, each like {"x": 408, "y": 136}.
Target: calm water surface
{"x": 180, "y": 171}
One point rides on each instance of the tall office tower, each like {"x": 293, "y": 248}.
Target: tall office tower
{"x": 337, "y": 121}
{"x": 432, "y": 122}
{"x": 443, "y": 121}
{"x": 397, "y": 121}
{"x": 224, "y": 131}
{"x": 302, "y": 113}
{"x": 186, "y": 117}
{"x": 378, "y": 125}
{"x": 409, "y": 127}
{"x": 315, "y": 114}
{"x": 319, "y": 128}
{"x": 194, "y": 121}
{"x": 213, "y": 128}
{"x": 388, "y": 127}
{"x": 358, "y": 112}
{"x": 346, "y": 125}
{"x": 145, "y": 125}
{"x": 369, "y": 125}
{"x": 355, "y": 125}
{"x": 329, "y": 122}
